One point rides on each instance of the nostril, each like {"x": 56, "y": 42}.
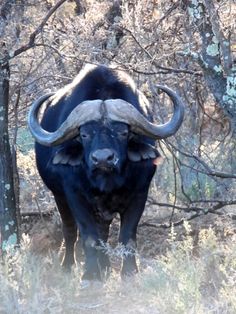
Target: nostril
{"x": 94, "y": 159}
{"x": 105, "y": 157}
{"x": 110, "y": 157}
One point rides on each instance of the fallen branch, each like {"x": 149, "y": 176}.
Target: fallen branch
{"x": 199, "y": 211}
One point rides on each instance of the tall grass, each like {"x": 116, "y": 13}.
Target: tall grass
{"x": 188, "y": 278}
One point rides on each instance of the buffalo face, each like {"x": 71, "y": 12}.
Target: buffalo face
{"x": 105, "y": 152}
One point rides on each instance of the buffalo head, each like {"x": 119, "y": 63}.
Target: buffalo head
{"x": 112, "y": 109}
{"x": 104, "y": 129}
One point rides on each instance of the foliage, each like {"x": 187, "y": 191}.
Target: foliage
{"x": 25, "y": 141}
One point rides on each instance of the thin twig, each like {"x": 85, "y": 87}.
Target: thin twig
{"x": 32, "y": 37}
{"x": 168, "y": 69}
{"x": 199, "y": 211}
{"x": 211, "y": 172}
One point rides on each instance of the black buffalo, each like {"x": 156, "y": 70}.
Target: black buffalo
{"x": 95, "y": 152}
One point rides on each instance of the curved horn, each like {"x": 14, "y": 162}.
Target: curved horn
{"x": 122, "y": 111}
{"x": 84, "y": 112}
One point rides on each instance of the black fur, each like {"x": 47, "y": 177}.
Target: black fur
{"x": 88, "y": 196}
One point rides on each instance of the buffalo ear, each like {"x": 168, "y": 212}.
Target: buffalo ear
{"x": 142, "y": 151}
{"x": 68, "y": 155}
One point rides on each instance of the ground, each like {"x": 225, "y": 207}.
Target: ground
{"x": 188, "y": 269}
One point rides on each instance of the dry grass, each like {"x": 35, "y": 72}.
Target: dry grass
{"x": 186, "y": 279}
{"x": 187, "y": 271}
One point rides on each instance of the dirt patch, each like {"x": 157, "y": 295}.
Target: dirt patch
{"x": 153, "y": 240}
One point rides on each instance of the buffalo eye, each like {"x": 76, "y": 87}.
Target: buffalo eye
{"x": 84, "y": 136}
{"x": 124, "y": 134}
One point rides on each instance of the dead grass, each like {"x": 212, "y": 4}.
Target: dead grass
{"x": 185, "y": 270}
{"x": 186, "y": 279}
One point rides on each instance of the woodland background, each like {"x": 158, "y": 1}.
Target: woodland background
{"x": 188, "y": 45}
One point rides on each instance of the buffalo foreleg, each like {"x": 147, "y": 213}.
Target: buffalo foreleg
{"x": 128, "y": 229}
{"x": 88, "y": 230}
{"x": 69, "y": 232}
{"x": 103, "y": 258}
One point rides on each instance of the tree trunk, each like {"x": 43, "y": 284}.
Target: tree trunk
{"x": 215, "y": 57}
{"x": 8, "y": 218}
{"x": 8, "y": 192}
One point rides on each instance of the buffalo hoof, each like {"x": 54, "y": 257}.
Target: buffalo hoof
{"x": 128, "y": 269}
{"x": 67, "y": 263}
{"x": 85, "y": 284}
{"x": 67, "y": 267}
{"x": 88, "y": 284}
{"x": 105, "y": 273}
{"x": 93, "y": 274}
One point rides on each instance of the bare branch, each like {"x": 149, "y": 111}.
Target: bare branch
{"x": 5, "y": 9}
{"x": 31, "y": 42}
{"x": 173, "y": 224}
{"x": 199, "y": 211}
{"x": 167, "y": 14}
{"x": 211, "y": 172}
{"x": 168, "y": 69}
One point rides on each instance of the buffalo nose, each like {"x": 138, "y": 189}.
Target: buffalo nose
{"x": 103, "y": 156}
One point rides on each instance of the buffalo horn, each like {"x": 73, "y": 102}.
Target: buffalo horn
{"x": 86, "y": 111}
{"x": 122, "y": 111}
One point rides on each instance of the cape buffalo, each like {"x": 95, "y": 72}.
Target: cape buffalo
{"x": 95, "y": 152}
